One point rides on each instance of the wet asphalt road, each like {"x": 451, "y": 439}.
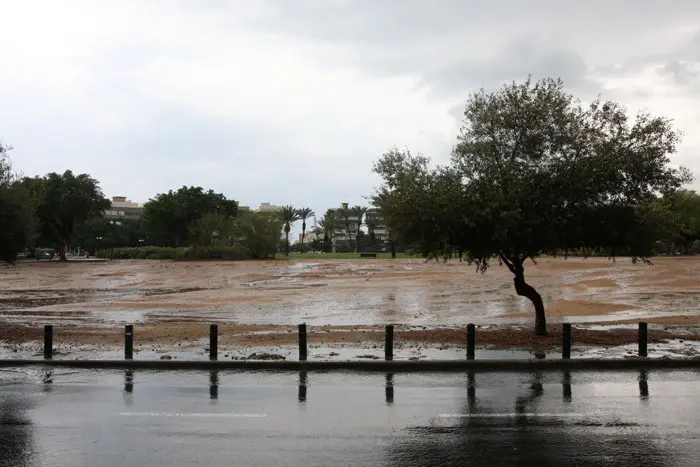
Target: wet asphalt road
{"x": 114, "y": 418}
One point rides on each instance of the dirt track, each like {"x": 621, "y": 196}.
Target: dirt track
{"x": 350, "y": 298}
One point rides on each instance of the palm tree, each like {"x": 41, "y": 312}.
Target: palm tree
{"x": 303, "y": 214}
{"x": 344, "y": 214}
{"x": 289, "y": 216}
{"x": 359, "y": 212}
{"x": 328, "y": 225}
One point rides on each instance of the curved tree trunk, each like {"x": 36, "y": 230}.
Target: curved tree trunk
{"x": 524, "y": 289}
{"x": 286, "y": 243}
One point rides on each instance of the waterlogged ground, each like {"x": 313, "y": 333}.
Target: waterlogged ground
{"x": 257, "y": 304}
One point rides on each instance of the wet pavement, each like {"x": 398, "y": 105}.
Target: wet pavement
{"x": 110, "y": 418}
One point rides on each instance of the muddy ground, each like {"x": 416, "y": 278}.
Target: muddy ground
{"x": 344, "y": 302}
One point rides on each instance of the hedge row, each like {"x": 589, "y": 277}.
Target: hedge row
{"x": 178, "y": 254}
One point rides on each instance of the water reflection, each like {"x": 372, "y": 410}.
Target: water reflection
{"x": 214, "y": 385}
{"x": 389, "y": 389}
{"x": 643, "y": 384}
{"x": 566, "y": 386}
{"x": 303, "y": 379}
{"x": 128, "y": 395}
{"x": 16, "y": 443}
{"x": 47, "y": 379}
{"x": 489, "y": 434}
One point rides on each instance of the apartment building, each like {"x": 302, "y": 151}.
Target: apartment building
{"x": 122, "y": 208}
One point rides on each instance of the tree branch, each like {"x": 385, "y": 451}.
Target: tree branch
{"x": 507, "y": 262}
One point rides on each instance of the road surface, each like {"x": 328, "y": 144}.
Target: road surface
{"x": 116, "y": 418}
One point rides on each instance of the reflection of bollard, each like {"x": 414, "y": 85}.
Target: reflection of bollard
{"x": 302, "y": 342}
{"x": 129, "y": 381}
{"x": 566, "y": 386}
{"x": 129, "y": 342}
{"x": 48, "y": 342}
{"x": 643, "y": 339}
{"x": 213, "y": 342}
{"x": 389, "y": 391}
{"x": 566, "y": 341}
{"x": 214, "y": 385}
{"x": 301, "y": 396}
{"x": 471, "y": 341}
{"x": 389, "y": 343}
{"x": 643, "y": 384}
{"x": 471, "y": 390}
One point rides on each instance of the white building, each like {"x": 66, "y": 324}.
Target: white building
{"x": 122, "y": 208}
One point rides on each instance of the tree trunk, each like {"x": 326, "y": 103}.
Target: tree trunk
{"x": 523, "y": 289}
{"x": 62, "y": 252}
{"x": 286, "y": 244}
{"x": 303, "y": 234}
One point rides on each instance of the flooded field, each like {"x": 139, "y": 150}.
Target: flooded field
{"x": 265, "y": 299}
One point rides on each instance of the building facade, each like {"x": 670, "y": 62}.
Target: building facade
{"x": 122, "y": 208}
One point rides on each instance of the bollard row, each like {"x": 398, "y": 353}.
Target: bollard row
{"x": 303, "y": 341}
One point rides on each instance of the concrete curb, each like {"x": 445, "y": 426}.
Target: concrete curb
{"x": 372, "y": 366}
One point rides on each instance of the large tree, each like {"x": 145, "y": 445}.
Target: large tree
{"x": 289, "y": 217}
{"x": 172, "y": 218}
{"x": 16, "y": 212}
{"x": 259, "y": 232}
{"x": 536, "y": 172}
{"x": 62, "y": 203}
{"x": 304, "y": 213}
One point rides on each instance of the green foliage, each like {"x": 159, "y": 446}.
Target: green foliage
{"x": 259, "y": 233}
{"x": 535, "y": 172}
{"x": 170, "y": 217}
{"x": 100, "y": 233}
{"x": 177, "y": 254}
{"x": 16, "y": 213}
{"x": 211, "y": 229}
{"x": 327, "y": 227}
{"x": 62, "y": 202}
{"x": 289, "y": 216}
{"x": 303, "y": 214}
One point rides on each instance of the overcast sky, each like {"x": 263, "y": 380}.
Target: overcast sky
{"x": 290, "y": 101}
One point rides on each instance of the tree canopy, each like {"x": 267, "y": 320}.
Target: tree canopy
{"x": 62, "y": 202}
{"x": 534, "y": 172}
{"x": 259, "y": 232}
{"x": 16, "y": 213}
{"x": 172, "y": 218}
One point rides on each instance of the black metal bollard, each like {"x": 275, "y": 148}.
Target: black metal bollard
{"x": 213, "y": 342}
{"x": 389, "y": 343}
{"x": 129, "y": 342}
{"x": 471, "y": 341}
{"x": 48, "y": 342}
{"x": 643, "y": 339}
{"x": 302, "y": 343}
{"x": 566, "y": 341}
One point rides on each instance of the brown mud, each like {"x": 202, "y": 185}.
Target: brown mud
{"x": 259, "y": 303}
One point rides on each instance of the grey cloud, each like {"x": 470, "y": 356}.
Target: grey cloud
{"x": 521, "y": 58}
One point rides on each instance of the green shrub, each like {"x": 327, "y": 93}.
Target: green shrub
{"x": 177, "y": 254}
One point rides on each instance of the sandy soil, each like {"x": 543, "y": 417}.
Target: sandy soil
{"x": 343, "y": 301}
